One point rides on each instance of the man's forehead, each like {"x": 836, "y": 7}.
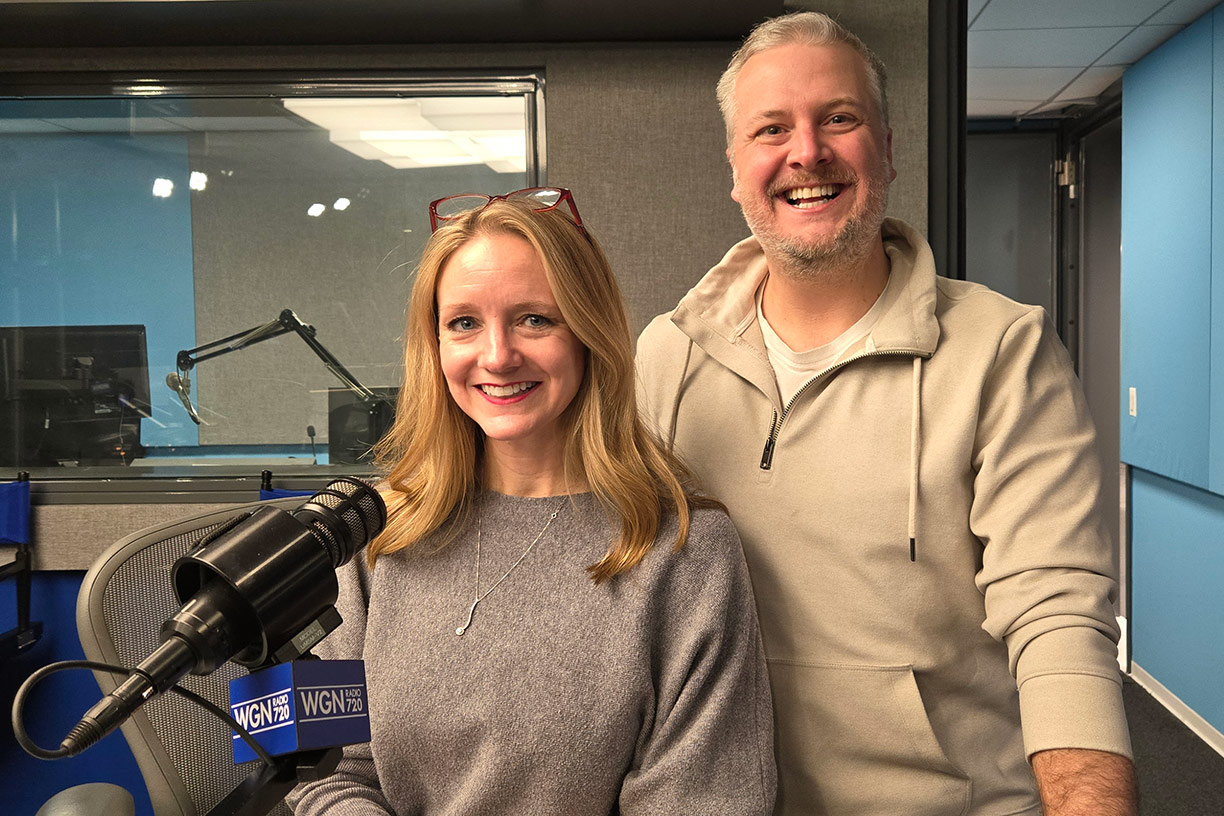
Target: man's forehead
{"x": 774, "y": 80}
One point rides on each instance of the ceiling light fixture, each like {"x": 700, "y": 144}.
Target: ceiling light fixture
{"x": 425, "y": 132}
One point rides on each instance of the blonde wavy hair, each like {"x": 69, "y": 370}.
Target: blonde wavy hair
{"x": 433, "y": 453}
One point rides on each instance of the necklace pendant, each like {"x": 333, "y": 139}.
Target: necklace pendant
{"x": 465, "y": 626}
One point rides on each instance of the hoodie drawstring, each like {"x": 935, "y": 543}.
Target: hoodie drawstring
{"x": 915, "y": 429}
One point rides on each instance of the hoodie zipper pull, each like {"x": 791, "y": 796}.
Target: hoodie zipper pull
{"x": 767, "y": 454}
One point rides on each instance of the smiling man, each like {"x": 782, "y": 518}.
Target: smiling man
{"x": 911, "y": 465}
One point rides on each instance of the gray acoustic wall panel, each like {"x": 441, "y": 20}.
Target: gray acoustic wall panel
{"x": 632, "y": 128}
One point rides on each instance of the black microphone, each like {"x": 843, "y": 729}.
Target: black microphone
{"x": 310, "y": 431}
{"x": 181, "y": 385}
{"x": 261, "y": 588}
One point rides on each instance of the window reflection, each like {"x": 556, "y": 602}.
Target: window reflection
{"x": 192, "y": 219}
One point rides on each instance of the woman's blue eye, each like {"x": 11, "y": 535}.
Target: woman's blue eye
{"x": 536, "y": 321}
{"x": 461, "y": 324}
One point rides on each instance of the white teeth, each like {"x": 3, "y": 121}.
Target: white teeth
{"x": 507, "y": 390}
{"x": 820, "y": 191}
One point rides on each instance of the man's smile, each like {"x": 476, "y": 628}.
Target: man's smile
{"x": 813, "y": 196}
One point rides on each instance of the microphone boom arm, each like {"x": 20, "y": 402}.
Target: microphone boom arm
{"x": 286, "y": 322}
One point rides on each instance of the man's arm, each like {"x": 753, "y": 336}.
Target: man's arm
{"x": 1075, "y": 781}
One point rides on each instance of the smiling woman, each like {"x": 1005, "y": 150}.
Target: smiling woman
{"x": 511, "y": 363}
{"x": 580, "y": 673}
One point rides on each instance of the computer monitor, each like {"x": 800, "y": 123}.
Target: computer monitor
{"x": 72, "y": 395}
{"x": 354, "y": 426}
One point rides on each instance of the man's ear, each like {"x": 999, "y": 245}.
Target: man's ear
{"x": 892, "y": 171}
{"x": 734, "y": 178}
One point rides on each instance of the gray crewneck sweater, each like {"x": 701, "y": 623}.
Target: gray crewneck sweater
{"x": 645, "y": 694}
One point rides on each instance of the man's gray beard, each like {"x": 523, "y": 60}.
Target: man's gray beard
{"x": 829, "y": 260}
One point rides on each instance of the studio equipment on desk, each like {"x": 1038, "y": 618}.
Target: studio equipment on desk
{"x": 378, "y": 409}
{"x": 259, "y": 590}
{"x": 72, "y": 395}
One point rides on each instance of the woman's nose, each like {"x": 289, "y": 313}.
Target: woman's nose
{"x": 500, "y": 351}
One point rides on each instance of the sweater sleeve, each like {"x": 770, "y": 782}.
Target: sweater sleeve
{"x": 709, "y": 749}
{"x": 1047, "y": 570}
{"x": 353, "y": 789}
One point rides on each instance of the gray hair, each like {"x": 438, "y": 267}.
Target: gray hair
{"x": 800, "y": 28}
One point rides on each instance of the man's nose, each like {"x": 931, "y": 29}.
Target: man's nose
{"x": 808, "y": 147}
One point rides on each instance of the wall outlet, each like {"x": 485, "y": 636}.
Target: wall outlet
{"x": 1134, "y": 410}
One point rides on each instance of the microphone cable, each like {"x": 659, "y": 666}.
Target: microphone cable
{"x": 34, "y": 750}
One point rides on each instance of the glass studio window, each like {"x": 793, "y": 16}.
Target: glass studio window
{"x": 212, "y": 277}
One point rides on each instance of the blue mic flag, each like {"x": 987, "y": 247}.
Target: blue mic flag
{"x": 266, "y": 493}
{"x": 15, "y": 512}
{"x": 301, "y": 706}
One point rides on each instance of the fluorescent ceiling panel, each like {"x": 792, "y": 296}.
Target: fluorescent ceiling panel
{"x": 425, "y": 132}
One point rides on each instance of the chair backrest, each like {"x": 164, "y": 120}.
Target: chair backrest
{"x": 184, "y": 753}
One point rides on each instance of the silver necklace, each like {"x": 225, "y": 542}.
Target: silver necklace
{"x": 479, "y": 596}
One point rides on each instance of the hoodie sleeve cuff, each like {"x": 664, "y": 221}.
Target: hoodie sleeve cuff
{"x": 1077, "y": 706}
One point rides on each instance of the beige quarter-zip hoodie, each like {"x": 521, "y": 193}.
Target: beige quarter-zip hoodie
{"x": 923, "y": 529}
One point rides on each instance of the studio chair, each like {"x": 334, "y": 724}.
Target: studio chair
{"x": 90, "y": 799}
{"x": 183, "y": 752}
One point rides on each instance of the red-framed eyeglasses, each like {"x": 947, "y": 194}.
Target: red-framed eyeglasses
{"x": 541, "y": 199}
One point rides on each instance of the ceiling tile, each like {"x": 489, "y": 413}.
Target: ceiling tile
{"x": 1068, "y": 13}
{"x": 1045, "y": 111}
{"x": 1018, "y": 83}
{"x": 975, "y": 6}
{"x": 1090, "y": 84}
{"x": 1037, "y": 48}
{"x": 1000, "y": 108}
{"x": 1182, "y": 12}
{"x": 1138, "y": 44}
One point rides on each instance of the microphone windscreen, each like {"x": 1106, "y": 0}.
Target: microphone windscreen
{"x": 344, "y": 516}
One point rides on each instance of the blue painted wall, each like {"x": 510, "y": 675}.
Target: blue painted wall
{"x": 1173, "y": 354}
{"x": 85, "y": 246}
{"x": 1177, "y": 575}
{"x": 1166, "y": 257}
{"x": 55, "y": 706}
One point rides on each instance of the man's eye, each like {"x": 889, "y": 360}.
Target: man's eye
{"x": 841, "y": 120}
{"x": 770, "y": 130}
